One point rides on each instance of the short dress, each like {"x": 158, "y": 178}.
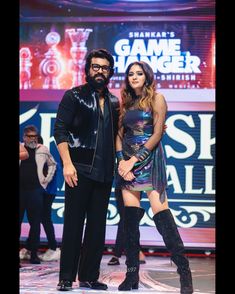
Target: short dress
{"x": 150, "y": 174}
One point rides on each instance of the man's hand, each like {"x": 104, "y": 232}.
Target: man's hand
{"x": 70, "y": 174}
{"x": 23, "y": 152}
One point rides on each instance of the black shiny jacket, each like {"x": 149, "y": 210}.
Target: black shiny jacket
{"x": 77, "y": 123}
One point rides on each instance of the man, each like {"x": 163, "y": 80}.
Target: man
{"x": 33, "y": 184}
{"x": 85, "y": 129}
{"x": 52, "y": 253}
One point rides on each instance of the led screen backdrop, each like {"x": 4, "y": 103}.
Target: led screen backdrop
{"x": 182, "y": 56}
{"x": 181, "y": 53}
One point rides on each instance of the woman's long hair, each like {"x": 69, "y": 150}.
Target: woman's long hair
{"x": 128, "y": 95}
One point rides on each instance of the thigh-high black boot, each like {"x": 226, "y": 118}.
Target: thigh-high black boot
{"x": 166, "y": 226}
{"x": 132, "y": 217}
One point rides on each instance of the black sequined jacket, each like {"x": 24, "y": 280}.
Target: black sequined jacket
{"x": 77, "y": 123}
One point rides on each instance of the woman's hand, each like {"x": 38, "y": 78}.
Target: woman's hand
{"x": 125, "y": 166}
{"x": 129, "y": 177}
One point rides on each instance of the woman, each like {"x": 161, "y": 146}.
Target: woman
{"x": 142, "y": 168}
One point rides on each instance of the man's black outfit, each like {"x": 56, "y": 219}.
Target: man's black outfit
{"x": 120, "y": 238}
{"x": 90, "y": 135}
{"x": 31, "y": 201}
{"x": 49, "y": 195}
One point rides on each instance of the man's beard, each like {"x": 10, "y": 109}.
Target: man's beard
{"x": 98, "y": 83}
{"x": 31, "y": 145}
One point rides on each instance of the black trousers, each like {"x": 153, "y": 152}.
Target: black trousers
{"x": 89, "y": 199}
{"x": 120, "y": 238}
{"x": 31, "y": 201}
{"x": 46, "y": 222}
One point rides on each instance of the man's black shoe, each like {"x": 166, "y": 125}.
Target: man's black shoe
{"x": 35, "y": 260}
{"x": 64, "y": 285}
{"x": 114, "y": 261}
{"x": 93, "y": 285}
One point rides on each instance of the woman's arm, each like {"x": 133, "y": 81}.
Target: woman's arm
{"x": 119, "y": 140}
{"x": 128, "y": 176}
{"x": 159, "y": 117}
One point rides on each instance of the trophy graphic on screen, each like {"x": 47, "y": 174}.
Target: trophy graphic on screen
{"x": 25, "y": 68}
{"x": 78, "y": 50}
{"x": 50, "y": 67}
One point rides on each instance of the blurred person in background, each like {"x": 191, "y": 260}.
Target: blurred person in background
{"x": 53, "y": 252}
{"x": 33, "y": 184}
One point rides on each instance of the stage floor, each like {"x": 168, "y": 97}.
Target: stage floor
{"x": 158, "y": 275}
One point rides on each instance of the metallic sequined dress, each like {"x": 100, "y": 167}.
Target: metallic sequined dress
{"x": 150, "y": 174}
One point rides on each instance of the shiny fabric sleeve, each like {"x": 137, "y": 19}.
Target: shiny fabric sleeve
{"x": 65, "y": 115}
